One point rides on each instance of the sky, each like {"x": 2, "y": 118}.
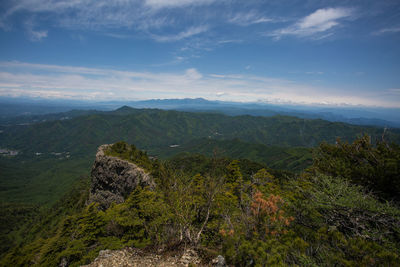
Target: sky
{"x": 342, "y": 52}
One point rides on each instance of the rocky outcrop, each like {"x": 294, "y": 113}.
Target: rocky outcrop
{"x": 137, "y": 258}
{"x": 133, "y": 258}
{"x": 113, "y": 179}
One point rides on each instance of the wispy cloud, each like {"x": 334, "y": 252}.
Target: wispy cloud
{"x": 54, "y": 81}
{"x": 3, "y": 25}
{"x": 181, "y": 35}
{"x": 246, "y": 19}
{"x": 148, "y": 18}
{"x": 34, "y": 35}
{"x": 387, "y": 30}
{"x": 316, "y": 24}
{"x": 228, "y": 41}
{"x": 78, "y": 14}
{"x": 37, "y": 35}
{"x": 175, "y": 3}
{"x": 315, "y": 72}
{"x": 117, "y": 35}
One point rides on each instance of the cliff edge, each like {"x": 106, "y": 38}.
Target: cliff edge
{"x": 113, "y": 179}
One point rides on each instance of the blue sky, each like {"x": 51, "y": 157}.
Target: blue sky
{"x": 279, "y": 51}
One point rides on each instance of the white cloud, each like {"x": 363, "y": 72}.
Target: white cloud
{"x": 387, "y": 30}
{"x": 3, "y": 25}
{"x": 99, "y": 14}
{"x": 136, "y": 14}
{"x": 37, "y": 35}
{"x": 175, "y": 3}
{"x": 193, "y": 74}
{"x": 34, "y": 35}
{"x": 117, "y": 35}
{"x": 134, "y": 17}
{"x": 182, "y": 35}
{"x": 316, "y": 23}
{"x": 54, "y": 81}
{"x": 246, "y": 19}
{"x": 228, "y": 41}
{"x": 315, "y": 72}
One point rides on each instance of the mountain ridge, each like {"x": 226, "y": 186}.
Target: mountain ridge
{"x": 358, "y": 115}
{"x": 149, "y": 128}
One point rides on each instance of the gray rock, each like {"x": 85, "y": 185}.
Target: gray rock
{"x": 219, "y": 261}
{"x": 113, "y": 179}
{"x": 105, "y": 253}
{"x": 189, "y": 257}
{"x": 63, "y": 263}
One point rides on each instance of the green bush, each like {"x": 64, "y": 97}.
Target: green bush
{"x": 376, "y": 167}
{"x": 252, "y": 215}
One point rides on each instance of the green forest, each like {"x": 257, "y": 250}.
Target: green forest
{"x": 330, "y": 214}
{"x": 277, "y": 191}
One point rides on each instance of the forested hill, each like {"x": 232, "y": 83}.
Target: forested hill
{"x": 53, "y": 156}
{"x": 151, "y": 129}
{"x": 283, "y": 158}
{"x": 335, "y": 214}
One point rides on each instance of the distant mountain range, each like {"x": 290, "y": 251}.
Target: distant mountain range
{"x": 27, "y": 109}
{"x": 353, "y": 115}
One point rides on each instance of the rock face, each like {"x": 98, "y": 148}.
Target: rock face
{"x": 113, "y": 179}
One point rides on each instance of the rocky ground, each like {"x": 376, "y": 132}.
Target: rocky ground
{"x": 130, "y": 257}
